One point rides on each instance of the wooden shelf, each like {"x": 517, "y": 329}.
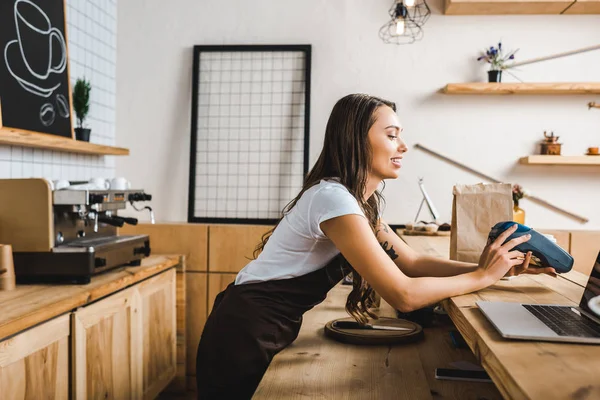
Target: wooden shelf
{"x": 523, "y": 88}
{"x": 584, "y": 7}
{"x": 16, "y": 137}
{"x": 522, "y": 7}
{"x": 560, "y": 160}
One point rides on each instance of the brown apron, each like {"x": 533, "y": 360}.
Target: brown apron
{"x": 249, "y": 324}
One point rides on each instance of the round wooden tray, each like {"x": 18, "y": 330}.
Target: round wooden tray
{"x": 376, "y": 336}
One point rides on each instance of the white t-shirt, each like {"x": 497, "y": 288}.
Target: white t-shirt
{"x": 298, "y": 246}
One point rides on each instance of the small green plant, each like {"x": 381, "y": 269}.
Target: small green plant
{"x": 81, "y": 100}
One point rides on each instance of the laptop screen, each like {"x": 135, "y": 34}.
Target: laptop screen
{"x": 593, "y": 287}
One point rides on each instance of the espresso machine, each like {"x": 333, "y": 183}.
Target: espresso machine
{"x": 68, "y": 235}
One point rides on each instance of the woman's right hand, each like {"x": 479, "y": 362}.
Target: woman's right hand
{"x": 497, "y": 258}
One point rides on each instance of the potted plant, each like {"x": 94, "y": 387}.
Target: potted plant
{"x": 81, "y": 106}
{"x": 497, "y": 60}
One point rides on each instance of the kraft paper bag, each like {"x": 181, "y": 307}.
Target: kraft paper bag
{"x": 475, "y": 209}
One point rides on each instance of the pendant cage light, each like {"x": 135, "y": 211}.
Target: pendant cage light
{"x": 406, "y": 23}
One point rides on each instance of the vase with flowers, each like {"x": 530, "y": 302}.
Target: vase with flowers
{"x": 518, "y": 213}
{"x": 498, "y": 60}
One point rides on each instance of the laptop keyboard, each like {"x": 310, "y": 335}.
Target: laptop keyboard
{"x": 565, "y": 322}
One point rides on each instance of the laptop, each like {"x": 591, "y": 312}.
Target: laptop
{"x": 548, "y": 322}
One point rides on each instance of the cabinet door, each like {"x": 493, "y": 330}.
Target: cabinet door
{"x": 107, "y": 348}
{"x": 35, "y": 364}
{"x": 159, "y": 332}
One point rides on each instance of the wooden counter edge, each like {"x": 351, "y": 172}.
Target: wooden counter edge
{"x": 90, "y": 293}
{"x": 483, "y": 353}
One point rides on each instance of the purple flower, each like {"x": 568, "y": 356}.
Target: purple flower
{"x": 512, "y": 57}
{"x": 499, "y": 45}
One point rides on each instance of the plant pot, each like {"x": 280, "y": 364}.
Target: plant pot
{"x": 83, "y": 134}
{"x": 494, "y": 76}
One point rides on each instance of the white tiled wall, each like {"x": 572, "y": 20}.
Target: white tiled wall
{"x": 92, "y": 40}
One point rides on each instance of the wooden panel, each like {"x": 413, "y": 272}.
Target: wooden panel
{"x": 485, "y": 88}
{"x": 584, "y": 7}
{"x": 560, "y": 160}
{"x": 35, "y": 364}
{"x": 22, "y": 138}
{"x": 29, "y": 305}
{"x": 585, "y": 246}
{"x": 190, "y": 240}
{"x": 26, "y": 219}
{"x": 563, "y": 238}
{"x": 231, "y": 246}
{"x": 107, "y": 348}
{"x": 216, "y": 284}
{"x": 504, "y": 7}
{"x": 197, "y": 294}
{"x": 178, "y": 385}
{"x": 159, "y": 332}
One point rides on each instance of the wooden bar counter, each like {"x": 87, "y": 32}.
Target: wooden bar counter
{"x": 523, "y": 369}
{"x": 316, "y": 367}
{"x": 28, "y": 305}
{"x": 116, "y": 337}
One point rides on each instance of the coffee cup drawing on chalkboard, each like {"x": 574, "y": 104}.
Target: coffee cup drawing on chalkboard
{"x": 32, "y": 26}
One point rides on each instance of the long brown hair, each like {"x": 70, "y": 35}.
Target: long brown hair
{"x": 347, "y": 156}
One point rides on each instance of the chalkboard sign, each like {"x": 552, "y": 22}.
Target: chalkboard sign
{"x": 35, "y": 94}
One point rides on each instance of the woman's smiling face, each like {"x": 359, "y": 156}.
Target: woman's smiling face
{"x": 386, "y": 145}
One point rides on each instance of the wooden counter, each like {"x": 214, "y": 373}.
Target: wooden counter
{"x": 29, "y": 305}
{"x": 523, "y": 369}
{"x": 315, "y": 366}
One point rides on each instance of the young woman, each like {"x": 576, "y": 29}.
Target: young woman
{"x": 331, "y": 228}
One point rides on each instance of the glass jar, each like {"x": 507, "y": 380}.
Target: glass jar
{"x": 518, "y": 215}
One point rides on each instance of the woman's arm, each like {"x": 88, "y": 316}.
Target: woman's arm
{"x": 413, "y": 264}
{"x": 352, "y": 235}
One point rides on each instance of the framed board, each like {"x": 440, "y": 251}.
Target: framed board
{"x": 35, "y": 92}
{"x": 249, "y": 131}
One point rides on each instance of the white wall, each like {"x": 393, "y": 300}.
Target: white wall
{"x": 92, "y": 41}
{"x": 488, "y": 133}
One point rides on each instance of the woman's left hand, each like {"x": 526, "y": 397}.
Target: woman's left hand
{"x": 524, "y": 268}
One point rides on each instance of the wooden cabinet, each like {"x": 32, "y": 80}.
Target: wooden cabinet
{"x": 107, "y": 348}
{"x": 585, "y": 246}
{"x": 190, "y": 240}
{"x": 196, "y": 304}
{"x": 230, "y": 247}
{"x": 124, "y": 346}
{"x": 35, "y": 363}
{"x": 216, "y": 284}
{"x": 159, "y": 332}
